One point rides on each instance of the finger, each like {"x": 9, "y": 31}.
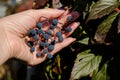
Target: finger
{"x": 44, "y": 14}
{"x": 73, "y": 26}
{"x": 62, "y": 45}
{"x": 63, "y": 20}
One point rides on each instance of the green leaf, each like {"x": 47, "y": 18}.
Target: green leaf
{"x": 102, "y": 74}
{"x": 104, "y": 27}
{"x": 102, "y": 8}
{"x": 84, "y": 41}
{"x": 85, "y": 63}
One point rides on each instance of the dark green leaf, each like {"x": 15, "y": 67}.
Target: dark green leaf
{"x": 102, "y": 8}
{"x": 85, "y": 63}
{"x": 104, "y": 27}
{"x": 102, "y": 74}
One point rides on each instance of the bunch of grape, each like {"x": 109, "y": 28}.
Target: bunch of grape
{"x": 43, "y": 41}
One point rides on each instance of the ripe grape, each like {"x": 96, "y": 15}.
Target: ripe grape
{"x": 68, "y": 29}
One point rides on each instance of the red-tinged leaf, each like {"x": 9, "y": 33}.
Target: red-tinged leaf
{"x": 102, "y": 8}
{"x": 104, "y": 27}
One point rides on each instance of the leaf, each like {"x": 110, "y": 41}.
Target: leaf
{"x": 104, "y": 27}
{"x": 102, "y": 8}
{"x": 84, "y": 41}
{"x": 102, "y": 74}
{"x": 85, "y": 63}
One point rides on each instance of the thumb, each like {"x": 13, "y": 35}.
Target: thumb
{"x": 44, "y": 14}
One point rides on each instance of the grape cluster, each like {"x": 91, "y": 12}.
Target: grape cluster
{"x": 43, "y": 41}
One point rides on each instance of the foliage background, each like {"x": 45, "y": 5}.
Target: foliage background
{"x": 95, "y": 54}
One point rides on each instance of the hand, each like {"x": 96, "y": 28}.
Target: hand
{"x": 13, "y": 30}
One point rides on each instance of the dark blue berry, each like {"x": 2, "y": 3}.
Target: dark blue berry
{"x": 54, "y": 21}
{"x": 46, "y": 36}
{"x": 47, "y": 44}
{"x": 52, "y": 26}
{"x": 31, "y": 32}
{"x": 38, "y": 54}
{"x": 49, "y": 56}
{"x": 40, "y": 31}
{"x": 51, "y": 47}
{"x": 68, "y": 29}
{"x": 53, "y": 42}
{"x": 35, "y": 37}
{"x": 39, "y": 25}
{"x": 61, "y": 39}
{"x": 49, "y": 32}
{"x": 30, "y": 43}
{"x": 69, "y": 18}
{"x": 42, "y": 44}
{"x": 32, "y": 49}
{"x": 45, "y": 51}
{"x": 58, "y": 34}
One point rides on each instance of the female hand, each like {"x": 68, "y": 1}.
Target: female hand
{"x": 13, "y": 30}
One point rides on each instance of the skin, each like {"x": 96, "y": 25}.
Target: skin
{"x": 13, "y": 30}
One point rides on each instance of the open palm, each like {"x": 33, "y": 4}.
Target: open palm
{"x": 15, "y": 27}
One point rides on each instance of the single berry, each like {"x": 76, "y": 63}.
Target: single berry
{"x": 38, "y": 54}
{"x": 49, "y": 32}
{"x": 31, "y": 32}
{"x": 46, "y": 36}
{"x": 42, "y": 44}
{"x": 68, "y": 29}
{"x": 58, "y": 34}
{"x": 49, "y": 56}
{"x": 45, "y": 51}
{"x": 32, "y": 49}
{"x": 53, "y": 42}
{"x": 51, "y": 47}
{"x": 69, "y": 18}
{"x": 61, "y": 39}
{"x": 39, "y": 25}
{"x": 54, "y": 21}
{"x": 52, "y": 26}
{"x": 40, "y": 31}
{"x": 35, "y": 37}
{"x": 47, "y": 44}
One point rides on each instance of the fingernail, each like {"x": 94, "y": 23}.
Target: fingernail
{"x": 78, "y": 23}
{"x": 74, "y": 39}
